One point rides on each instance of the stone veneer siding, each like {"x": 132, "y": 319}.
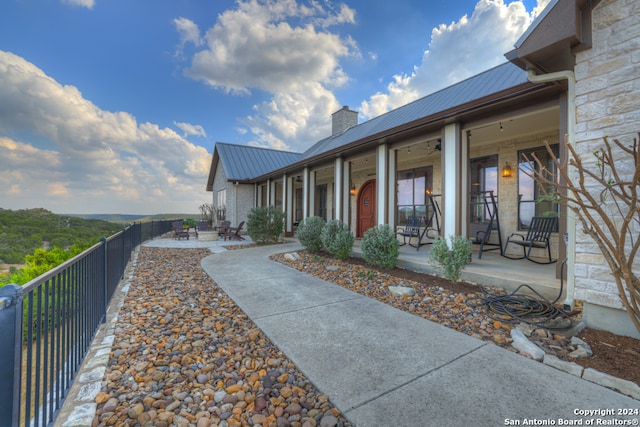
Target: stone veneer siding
{"x": 240, "y": 198}
{"x": 607, "y": 104}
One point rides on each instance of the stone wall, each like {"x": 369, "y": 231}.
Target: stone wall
{"x": 607, "y": 104}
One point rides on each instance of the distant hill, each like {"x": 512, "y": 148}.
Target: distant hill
{"x": 128, "y": 218}
{"x": 24, "y": 231}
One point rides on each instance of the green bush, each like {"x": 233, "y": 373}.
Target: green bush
{"x": 308, "y": 233}
{"x": 380, "y": 246}
{"x": 337, "y": 239}
{"x": 265, "y": 224}
{"x": 450, "y": 261}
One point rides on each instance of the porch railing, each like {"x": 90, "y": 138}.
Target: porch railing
{"x": 47, "y": 325}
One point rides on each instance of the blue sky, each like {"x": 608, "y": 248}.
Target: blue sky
{"x": 113, "y": 106}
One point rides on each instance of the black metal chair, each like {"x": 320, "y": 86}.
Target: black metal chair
{"x": 411, "y": 230}
{"x": 537, "y": 237}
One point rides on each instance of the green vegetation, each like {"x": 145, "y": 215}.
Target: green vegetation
{"x": 42, "y": 240}
{"x": 265, "y": 224}
{"x": 308, "y": 233}
{"x": 380, "y": 246}
{"x": 337, "y": 239}
{"x": 450, "y": 261}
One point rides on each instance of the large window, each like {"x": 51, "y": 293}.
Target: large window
{"x": 321, "y": 201}
{"x": 529, "y": 202}
{"x": 484, "y": 178}
{"x": 413, "y": 186}
{"x": 221, "y": 207}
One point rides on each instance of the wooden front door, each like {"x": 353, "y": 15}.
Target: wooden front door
{"x": 366, "y": 208}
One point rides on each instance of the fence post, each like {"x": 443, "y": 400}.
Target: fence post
{"x": 11, "y": 297}
{"x": 105, "y": 276}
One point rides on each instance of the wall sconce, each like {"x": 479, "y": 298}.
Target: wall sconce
{"x": 506, "y": 170}
{"x": 353, "y": 190}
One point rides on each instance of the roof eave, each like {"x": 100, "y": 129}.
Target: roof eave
{"x": 433, "y": 120}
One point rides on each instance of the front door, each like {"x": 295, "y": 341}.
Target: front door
{"x": 366, "y": 208}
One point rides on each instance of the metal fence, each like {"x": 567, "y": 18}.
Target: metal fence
{"x": 47, "y": 325}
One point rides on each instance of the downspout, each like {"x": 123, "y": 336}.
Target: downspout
{"x": 570, "y": 77}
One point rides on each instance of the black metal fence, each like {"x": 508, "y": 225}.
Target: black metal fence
{"x": 47, "y": 325}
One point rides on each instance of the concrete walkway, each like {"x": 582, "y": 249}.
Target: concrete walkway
{"x": 384, "y": 367}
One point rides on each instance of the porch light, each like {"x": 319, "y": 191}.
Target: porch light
{"x": 353, "y": 190}
{"x": 506, "y": 170}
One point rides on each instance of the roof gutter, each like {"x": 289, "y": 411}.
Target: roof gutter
{"x": 570, "y": 239}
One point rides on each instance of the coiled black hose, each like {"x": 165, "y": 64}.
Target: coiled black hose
{"x": 516, "y": 308}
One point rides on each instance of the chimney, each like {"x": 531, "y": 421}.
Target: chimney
{"x": 342, "y": 120}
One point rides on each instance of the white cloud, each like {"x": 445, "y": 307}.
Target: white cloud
{"x": 189, "y": 129}
{"x": 82, "y": 3}
{"x": 457, "y": 51}
{"x": 189, "y": 32}
{"x": 255, "y": 48}
{"x": 100, "y": 161}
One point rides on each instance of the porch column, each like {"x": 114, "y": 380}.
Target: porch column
{"x": 269, "y": 192}
{"x": 338, "y": 178}
{"x": 258, "y": 194}
{"x": 391, "y": 204}
{"x": 287, "y": 204}
{"x": 452, "y": 181}
{"x": 464, "y": 184}
{"x": 305, "y": 193}
{"x": 346, "y": 191}
{"x": 382, "y": 194}
{"x": 312, "y": 193}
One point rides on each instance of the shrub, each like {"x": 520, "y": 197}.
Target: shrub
{"x": 265, "y": 224}
{"x": 337, "y": 239}
{"x": 450, "y": 261}
{"x": 308, "y": 233}
{"x": 380, "y": 246}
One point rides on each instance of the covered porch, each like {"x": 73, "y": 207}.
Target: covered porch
{"x": 491, "y": 270}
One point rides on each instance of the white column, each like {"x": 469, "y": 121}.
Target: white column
{"x": 382, "y": 167}
{"x": 287, "y": 204}
{"x": 451, "y": 156}
{"x": 346, "y": 191}
{"x": 312, "y": 193}
{"x": 338, "y": 179}
{"x": 305, "y": 193}
{"x": 391, "y": 204}
{"x": 464, "y": 184}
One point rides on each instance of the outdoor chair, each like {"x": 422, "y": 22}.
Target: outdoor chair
{"x": 233, "y": 233}
{"x": 223, "y": 228}
{"x": 178, "y": 231}
{"x": 411, "y": 230}
{"x": 537, "y": 237}
{"x": 203, "y": 225}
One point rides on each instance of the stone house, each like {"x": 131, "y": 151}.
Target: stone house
{"x": 574, "y": 72}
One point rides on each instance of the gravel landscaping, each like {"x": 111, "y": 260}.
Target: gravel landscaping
{"x": 184, "y": 354}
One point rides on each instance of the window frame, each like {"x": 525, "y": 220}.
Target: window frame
{"x": 537, "y": 210}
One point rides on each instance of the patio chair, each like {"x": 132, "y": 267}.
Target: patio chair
{"x": 537, "y": 237}
{"x": 223, "y": 228}
{"x": 488, "y": 205}
{"x": 411, "y": 230}
{"x": 178, "y": 230}
{"x": 233, "y": 233}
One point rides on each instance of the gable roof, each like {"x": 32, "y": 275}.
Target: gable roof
{"x": 242, "y": 162}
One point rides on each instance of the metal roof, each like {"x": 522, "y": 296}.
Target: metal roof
{"x": 492, "y": 81}
{"x": 242, "y": 162}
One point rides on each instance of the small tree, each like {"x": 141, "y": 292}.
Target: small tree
{"x": 380, "y": 246}
{"x": 208, "y": 212}
{"x": 337, "y": 239}
{"x": 450, "y": 261}
{"x": 265, "y": 224}
{"x": 308, "y": 232}
{"x": 604, "y": 197}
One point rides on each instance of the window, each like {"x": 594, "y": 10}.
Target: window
{"x": 298, "y": 205}
{"x": 221, "y": 211}
{"x": 413, "y": 186}
{"x": 529, "y": 192}
{"x": 321, "y": 201}
{"x": 484, "y": 177}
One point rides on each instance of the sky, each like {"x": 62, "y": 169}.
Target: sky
{"x": 114, "y": 106}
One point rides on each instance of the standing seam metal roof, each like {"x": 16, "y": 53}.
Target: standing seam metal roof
{"x": 495, "y": 80}
{"x": 242, "y": 162}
